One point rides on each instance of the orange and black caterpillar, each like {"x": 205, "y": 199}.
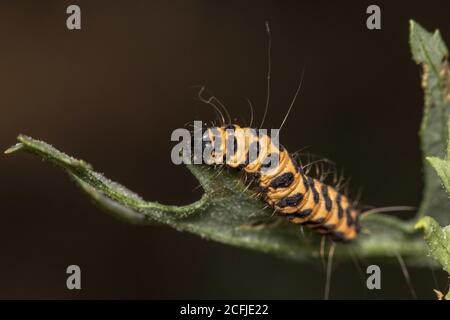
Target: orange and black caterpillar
{"x": 285, "y": 186}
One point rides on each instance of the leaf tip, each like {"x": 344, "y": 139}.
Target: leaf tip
{"x": 18, "y": 146}
{"x": 431, "y": 159}
{"x": 14, "y": 148}
{"x": 414, "y": 27}
{"x": 24, "y": 139}
{"x": 420, "y": 224}
{"x": 424, "y": 223}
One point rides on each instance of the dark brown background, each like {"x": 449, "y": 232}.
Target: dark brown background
{"x": 113, "y": 92}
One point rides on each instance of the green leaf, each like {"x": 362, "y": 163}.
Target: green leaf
{"x": 429, "y": 50}
{"x": 442, "y": 166}
{"x": 438, "y": 240}
{"x": 228, "y": 213}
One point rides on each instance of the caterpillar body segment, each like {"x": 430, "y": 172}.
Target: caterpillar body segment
{"x": 283, "y": 183}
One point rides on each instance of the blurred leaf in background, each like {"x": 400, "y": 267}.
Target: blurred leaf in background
{"x": 429, "y": 50}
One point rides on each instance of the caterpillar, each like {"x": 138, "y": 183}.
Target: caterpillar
{"x": 285, "y": 186}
